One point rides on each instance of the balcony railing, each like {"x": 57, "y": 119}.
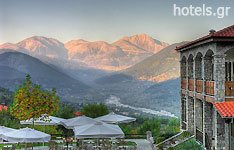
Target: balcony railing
{"x": 229, "y": 88}
{"x": 210, "y": 88}
{"x": 191, "y": 85}
{"x": 199, "y": 86}
{"x": 184, "y": 125}
{"x": 183, "y": 83}
{"x": 199, "y": 136}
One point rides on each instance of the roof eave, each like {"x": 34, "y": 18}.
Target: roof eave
{"x": 209, "y": 40}
{"x": 196, "y": 44}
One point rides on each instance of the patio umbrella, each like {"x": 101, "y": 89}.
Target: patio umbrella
{"x": 114, "y": 118}
{"x": 77, "y": 121}
{"x": 98, "y": 130}
{"x": 4, "y": 130}
{"x": 26, "y": 135}
{"x": 51, "y": 120}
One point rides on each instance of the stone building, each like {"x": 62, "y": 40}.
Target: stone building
{"x": 207, "y": 89}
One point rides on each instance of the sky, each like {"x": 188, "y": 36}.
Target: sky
{"x": 107, "y": 20}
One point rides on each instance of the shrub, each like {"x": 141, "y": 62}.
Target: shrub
{"x": 185, "y": 134}
{"x": 159, "y": 140}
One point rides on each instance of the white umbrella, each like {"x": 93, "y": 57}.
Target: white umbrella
{"x": 77, "y": 121}
{"x": 98, "y": 130}
{"x": 51, "y": 120}
{"x": 26, "y": 135}
{"x": 114, "y": 118}
{"x": 4, "y": 130}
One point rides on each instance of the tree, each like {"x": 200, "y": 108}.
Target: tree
{"x": 7, "y": 120}
{"x": 30, "y": 102}
{"x": 126, "y": 128}
{"x": 66, "y": 112}
{"x": 173, "y": 126}
{"x": 94, "y": 110}
{"x": 152, "y": 125}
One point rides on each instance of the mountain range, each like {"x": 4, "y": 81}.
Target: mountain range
{"x": 15, "y": 65}
{"x": 98, "y": 55}
{"x": 159, "y": 67}
{"x": 85, "y": 72}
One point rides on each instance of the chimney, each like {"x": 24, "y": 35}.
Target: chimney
{"x": 212, "y": 31}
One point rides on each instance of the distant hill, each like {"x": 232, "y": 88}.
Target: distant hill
{"x": 10, "y": 73}
{"x": 159, "y": 67}
{"x": 113, "y": 79}
{"x": 116, "y": 56}
{"x": 98, "y": 55}
{"x": 169, "y": 88}
{"x": 140, "y": 43}
{"x": 14, "y": 66}
{"x": 6, "y": 96}
{"x": 165, "y": 95}
{"x": 162, "y": 66}
{"x": 42, "y": 46}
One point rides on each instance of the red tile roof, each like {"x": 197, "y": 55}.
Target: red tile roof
{"x": 226, "y": 109}
{"x": 3, "y": 107}
{"x": 78, "y": 113}
{"x": 225, "y": 33}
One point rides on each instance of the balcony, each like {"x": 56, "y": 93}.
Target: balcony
{"x": 209, "y": 88}
{"x": 191, "y": 85}
{"x": 199, "y": 86}
{"x": 183, "y": 83}
{"x": 229, "y": 88}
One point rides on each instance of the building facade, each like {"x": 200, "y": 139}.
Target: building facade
{"x": 207, "y": 89}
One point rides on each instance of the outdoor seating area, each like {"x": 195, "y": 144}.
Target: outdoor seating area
{"x": 102, "y": 133}
{"x": 89, "y": 144}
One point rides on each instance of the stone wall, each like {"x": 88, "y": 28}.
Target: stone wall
{"x": 232, "y": 142}
{"x": 183, "y": 68}
{"x": 183, "y": 113}
{"x": 198, "y": 68}
{"x": 211, "y": 66}
{"x": 190, "y": 69}
{"x": 208, "y": 68}
{"x": 199, "y": 114}
{"x": 190, "y": 115}
{"x": 219, "y": 131}
{"x": 219, "y": 77}
{"x": 227, "y": 136}
{"x": 208, "y": 120}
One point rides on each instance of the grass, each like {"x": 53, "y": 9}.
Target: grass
{"x": 189, "y": 145}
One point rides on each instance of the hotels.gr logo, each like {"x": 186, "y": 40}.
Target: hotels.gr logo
{"x": 219, "y": 12}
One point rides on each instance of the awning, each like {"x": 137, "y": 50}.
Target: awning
{"x": 225, "y": 109}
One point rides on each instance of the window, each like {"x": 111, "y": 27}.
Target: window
{"x": 232, "y": 130}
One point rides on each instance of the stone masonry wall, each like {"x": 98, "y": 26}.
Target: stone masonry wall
{"x": 190, "y": 115}
{"x": 219, "y": 131}
{"x": 219, "y": 77}
{"x": 208, "y": 68}
{"x": 207, "y": 121}
{"x": 199, "y": 114}
{"x": 198, "y": 68}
